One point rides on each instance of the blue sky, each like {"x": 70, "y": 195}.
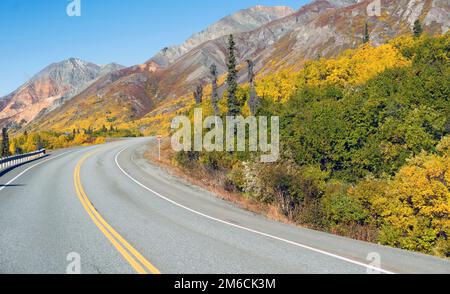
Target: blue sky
{"x": 35, "y": 33}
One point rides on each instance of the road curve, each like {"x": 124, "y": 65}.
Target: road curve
{"x": 120, "y": 214}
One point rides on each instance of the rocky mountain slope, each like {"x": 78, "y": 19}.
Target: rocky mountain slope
{"x": 243, "y": 21}
{"x": 321, "y": 28}
{"x": 49, "y": 89}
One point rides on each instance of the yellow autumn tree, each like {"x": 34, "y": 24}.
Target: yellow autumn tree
{"x": 417, "y": 211}
{"x": 351, "y": 68}
{"x": 80, "y": 139}
{"x": 100, "y": 140}
{"x": 279, "y": 86}
{"x": 413, "y": 208}
{"x": 13, "y": 147}
{"x": 32, "y": 143}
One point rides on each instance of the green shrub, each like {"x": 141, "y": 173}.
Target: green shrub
{"x": 339, "y": 208}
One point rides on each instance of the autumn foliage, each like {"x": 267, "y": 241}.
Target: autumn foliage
{"x": 365, "y": 143}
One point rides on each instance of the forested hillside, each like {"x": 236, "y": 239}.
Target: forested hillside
{"x": 365, "y": 145}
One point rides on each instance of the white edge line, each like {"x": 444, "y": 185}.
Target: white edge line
{"x": 31, "y": 167}
{"x": 248, "y": 229}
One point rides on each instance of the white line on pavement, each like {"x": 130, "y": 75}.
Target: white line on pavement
{"x": 31, "y": 167}
{"x": 248, "y": 229}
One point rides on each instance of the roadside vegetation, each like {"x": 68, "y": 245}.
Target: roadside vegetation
{"x": 365, "y": 141}
{"x": 29, "y": 142}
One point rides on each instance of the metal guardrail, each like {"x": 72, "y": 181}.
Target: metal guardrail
{"x": 8, "y": 162}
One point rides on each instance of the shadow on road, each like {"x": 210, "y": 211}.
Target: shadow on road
{"x": 8, "y": 170}
{"x": 8, "y": 186}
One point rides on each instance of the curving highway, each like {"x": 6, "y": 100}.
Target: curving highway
{"x": 119, "y": 214}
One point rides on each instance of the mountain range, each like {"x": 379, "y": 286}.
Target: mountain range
{"x": 76, "y": 93}
{"x": 50, "y": 88}
{"x": 242, "y": 21}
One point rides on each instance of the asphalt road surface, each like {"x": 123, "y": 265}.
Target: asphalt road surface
{"x": 109, "y": 209}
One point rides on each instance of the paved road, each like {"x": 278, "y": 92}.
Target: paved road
{"x": 122, "y": 215}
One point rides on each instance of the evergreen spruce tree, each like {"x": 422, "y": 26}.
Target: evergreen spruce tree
{"x": 253, "y": 101}
{"x": 417, "y": 29}
{"x": 198, "y": 94}
{"x": 366, "y": 38}
{"x": 5, "y": 143}
{"x": 232, "y": 86}
{"x": 215, "y": 94}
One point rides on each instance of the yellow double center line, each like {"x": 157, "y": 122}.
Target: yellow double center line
{"x": 134, "y": 258}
